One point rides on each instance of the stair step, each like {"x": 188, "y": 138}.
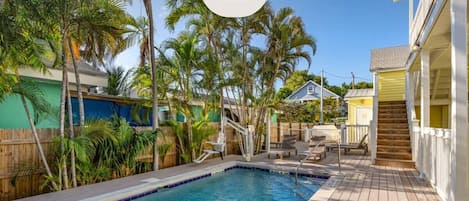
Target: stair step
{"x": 392, "y": 115}
{"x": 392, "y": 125}
{"x": 393, "y": 131}
{"x": 392, "y": 102}
{"x": 395, "y": 149}
{"x": 392, "y": 120}
{"x": 391, "y": 110}
{"x": 394, "y": 163}
{"x": 394, "y": 155}
{"x": 393, "y": 136}
{"x": 394, "y": 142}
{"x": 387, "y": 107}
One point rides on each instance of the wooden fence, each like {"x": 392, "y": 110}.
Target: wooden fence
{"x": 19, "y": 154}
{"x": 277, "y": 131}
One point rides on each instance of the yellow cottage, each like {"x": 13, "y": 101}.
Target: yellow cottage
{"x": 360, "y": 106}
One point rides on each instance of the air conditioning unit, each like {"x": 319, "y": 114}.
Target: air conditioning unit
{"x": 96, "y": 90}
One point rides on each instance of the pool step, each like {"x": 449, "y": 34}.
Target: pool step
{"x": 301, "y": 190}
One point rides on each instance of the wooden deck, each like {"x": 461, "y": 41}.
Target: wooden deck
{"x": 361, "y": 181}
{"x": 357, "y": 180}
{"x": 375, "y": 183}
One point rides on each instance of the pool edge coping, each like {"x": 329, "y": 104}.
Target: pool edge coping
{"x": 150, "y": 187}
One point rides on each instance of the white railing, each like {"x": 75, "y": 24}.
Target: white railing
{"x": 354, "y": 133}
{"x": 433, "y": 147}
{"x": 423, "y": 11}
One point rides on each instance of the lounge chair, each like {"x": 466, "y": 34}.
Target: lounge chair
{"x": 286, "y": 146}
{"x": 218, "y": 148}
{"x": 304, "y": 149}
{"x": 347, "y": 147}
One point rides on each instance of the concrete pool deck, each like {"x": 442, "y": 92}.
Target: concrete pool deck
{"x": 359, "y": 180}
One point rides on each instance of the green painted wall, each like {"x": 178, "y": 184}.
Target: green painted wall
{"x": 12, "y": 114}
{"x": 197, "y": 112}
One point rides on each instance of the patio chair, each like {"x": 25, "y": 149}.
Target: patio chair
{"x": 347, "y": 147}
{"x": 281, "y": 148}
{"x": 304, "y": 149}
{"x": 218, "y": 148}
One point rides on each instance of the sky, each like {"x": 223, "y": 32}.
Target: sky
{"x": 345, "y": 31}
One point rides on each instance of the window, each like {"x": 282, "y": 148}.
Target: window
{"x": 310, "y": 90}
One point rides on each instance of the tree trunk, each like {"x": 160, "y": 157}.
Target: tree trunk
{"x": 81, "y": 107}
{"x": 72, "y": 135}
{"x": 187, "y": 113}
{"x": 149, "y": 10}
{"x": 38, "y": 142}
{"x": 62, "y": 108}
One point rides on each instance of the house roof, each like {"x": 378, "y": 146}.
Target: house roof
{"x": 83, "y": 68}
{"x": 301, "y": 93}
{"x": 389, "y": 58}
{"x": 358, "y": 93}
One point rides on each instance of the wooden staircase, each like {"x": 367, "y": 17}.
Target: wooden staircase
{"x": 393, "y": 142}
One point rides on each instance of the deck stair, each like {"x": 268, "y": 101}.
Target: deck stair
{"x": 393, "y": 140}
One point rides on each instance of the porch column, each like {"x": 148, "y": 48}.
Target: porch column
{"x": 374, "y": 123}
{"x": 459, "y": 139}
{"x": 410, "y": 98}
{"x": 424, "y": 105}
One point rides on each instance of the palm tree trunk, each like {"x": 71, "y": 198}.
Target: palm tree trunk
{"x": 81, "y": 107}
{"x": 149, "y": 9}
{"x": 62, "y": 108}
{"x": 38, "y": 143}
{"x": 72, "y": 135}
{"x": 189, "y": 131}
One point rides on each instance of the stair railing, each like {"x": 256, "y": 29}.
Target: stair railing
{"x": 305, "y": 158}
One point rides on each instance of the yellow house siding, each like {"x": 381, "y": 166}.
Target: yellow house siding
{"x": 355, "y": 103}
{"x": 438, "y": 116}
{"x": 391, "y": 85}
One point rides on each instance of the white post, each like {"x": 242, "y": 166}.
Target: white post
{"x": 459, "y": 139}
{"x": 343, "y": 134}
{"x": 374, "y": 127}
{"x": 322, "y": 96}
{"x": 424, "y": 104}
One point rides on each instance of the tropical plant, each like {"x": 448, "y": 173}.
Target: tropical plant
{"x": 28, "y": 91}
{"x": 181, "y": 140}
{"x": 139, "y": 32}
{"x": 22, "y": 42}
{"x": 182, "y": 66}
{"x": 105, "y": 149}
{"x": 118, "y": 81}
{"x": 202, "y": 132}
{"x": 163, "y": 148}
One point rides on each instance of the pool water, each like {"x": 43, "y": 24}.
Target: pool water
{"x": 240, "y": 185}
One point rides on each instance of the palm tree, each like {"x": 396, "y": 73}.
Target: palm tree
{"x": 151, "y": 45}
{"x": 118, "y": 83}
{"x": 211, "y": 27}
{"x": 286, "y": 41}
{"x": 28, "y": 91}
{"x": 183, "y": 68}
{"x": 139, "y": 35}
{"x": 22, "y": 42}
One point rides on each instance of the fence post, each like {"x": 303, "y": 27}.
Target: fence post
{"x": 278, "y": 131}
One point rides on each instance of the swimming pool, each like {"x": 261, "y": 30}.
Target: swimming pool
{"x": 239, "y": 183}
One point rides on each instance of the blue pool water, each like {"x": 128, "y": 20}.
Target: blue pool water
{"x": 241, "y": 185}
